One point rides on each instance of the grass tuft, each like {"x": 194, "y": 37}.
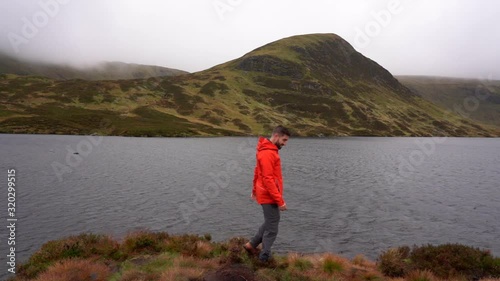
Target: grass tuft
{"x": 299, "y": 263}
{"x": 76, "y": 270}
{"x": 332, "y": 264}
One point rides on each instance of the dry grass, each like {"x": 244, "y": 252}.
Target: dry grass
{"x": 76, "y": 270}
{"x": 182, "y": 274}
{"x": 370, "y": 275}
{"x": 325, "y": 267}
{"x": 137, "y": 275}
{"x": 421, "y": 275}
{"x": 192, "y": 262}
{"x": 362, "y": 261}
{"x": 203, "y": 249}
{"x": 166, "y": 267}
{"x": 147, "y": 256}
{"x": 332, "y": 263}
{"x": 299, "y": 262}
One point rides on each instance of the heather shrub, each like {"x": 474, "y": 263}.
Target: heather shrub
{"x": 443, "y": 261}
{"x": 394, "y": 262}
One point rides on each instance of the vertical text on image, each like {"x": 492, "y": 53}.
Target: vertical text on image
{"x": 11, "y": 220}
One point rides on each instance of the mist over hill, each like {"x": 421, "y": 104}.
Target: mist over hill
{"x": 100, "y": 71}
{"x": 476, "y": 99}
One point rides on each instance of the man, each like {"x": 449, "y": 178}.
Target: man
{"x": 268, "y": 191}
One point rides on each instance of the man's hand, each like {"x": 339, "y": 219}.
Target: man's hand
{"x": 253, "y": 196}
{"x": 283, "y": 208}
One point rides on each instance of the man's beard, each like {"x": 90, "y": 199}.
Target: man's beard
{"x": 278, "y": 145}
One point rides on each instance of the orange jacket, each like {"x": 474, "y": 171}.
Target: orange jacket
{"x": 268, "y": 181}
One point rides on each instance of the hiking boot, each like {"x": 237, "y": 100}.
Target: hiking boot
{"x": 250, "y": 249}
{"x": 264, "y": 257}
{"x": 266, "y": 262}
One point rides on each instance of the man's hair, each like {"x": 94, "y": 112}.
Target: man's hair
{"x": 280, "y": 130}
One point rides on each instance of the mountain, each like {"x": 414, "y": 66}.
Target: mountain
{"x": 101, "y": 71}
{"x": 472, "y": 98}
{"x": 316, "y": 84}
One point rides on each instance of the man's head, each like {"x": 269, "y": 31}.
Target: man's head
{"x": 280, "y": 136}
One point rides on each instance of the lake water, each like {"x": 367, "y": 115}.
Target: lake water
{"x": 345, "y": 195}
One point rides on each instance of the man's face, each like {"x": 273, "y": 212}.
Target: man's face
{"x": 281, "y": 140}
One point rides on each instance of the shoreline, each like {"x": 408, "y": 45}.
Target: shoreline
{"x": 256, "y": 136}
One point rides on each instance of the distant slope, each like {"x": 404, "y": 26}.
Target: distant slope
{"x": 317, "y": 85}
{"x": 102, "y": 71}
{"x": 472, "y": 98}
{"x": 38, "y": 105}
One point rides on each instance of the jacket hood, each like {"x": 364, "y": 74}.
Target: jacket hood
{"x": 265, "y": 144}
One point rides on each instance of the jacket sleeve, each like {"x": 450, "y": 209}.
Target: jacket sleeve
{"x": 267, "y": 162}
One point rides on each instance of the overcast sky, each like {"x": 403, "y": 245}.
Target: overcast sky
{"x": 458, "y": 38}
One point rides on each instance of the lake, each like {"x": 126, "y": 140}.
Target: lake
{"x": 347, "y": 195}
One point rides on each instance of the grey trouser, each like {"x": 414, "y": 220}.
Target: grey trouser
{"x": 268, "y": 230}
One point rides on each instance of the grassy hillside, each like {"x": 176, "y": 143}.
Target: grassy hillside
{"x": 477, "y": 99}
{"x": 102, "y": 71}
{"x": 41, "y": 105}
{"x": 318, "y": 85}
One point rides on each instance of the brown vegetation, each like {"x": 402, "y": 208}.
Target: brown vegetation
{"x": 159, "y": 256}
